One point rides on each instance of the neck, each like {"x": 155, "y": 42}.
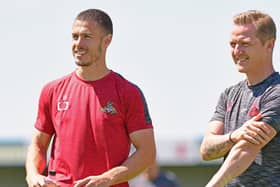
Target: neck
{"x": 91, "y": 74}
{"x": 257, "y": 77}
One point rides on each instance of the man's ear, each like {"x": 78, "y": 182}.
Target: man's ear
{"x": 270, "y": 44}
{"x": 107, "y": 40}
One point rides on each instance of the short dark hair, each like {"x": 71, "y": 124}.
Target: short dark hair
{"x": 265, "y": 26}
{"x": 98, "y": 16}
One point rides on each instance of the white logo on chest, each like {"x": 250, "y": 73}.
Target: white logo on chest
{"x": 63, "y": 105}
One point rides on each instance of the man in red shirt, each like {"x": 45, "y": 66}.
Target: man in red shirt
{"x": 93, "y": 115}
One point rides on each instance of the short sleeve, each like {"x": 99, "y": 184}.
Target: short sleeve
{"x": 137, "y": 113}
{"x": 43, "y": 121}
{"x": 220, "y": 110}
{"x": 270, "y": 108}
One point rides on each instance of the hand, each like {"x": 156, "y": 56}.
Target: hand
{"x": 40, "y": 181}
{"x": 253, "y": 131}
{"x": 93, "y": 181}
{"x": 50, "y": 183}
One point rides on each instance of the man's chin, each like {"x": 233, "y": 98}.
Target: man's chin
{"x": 241, "y": 70}
{"x": 81, "y": 63}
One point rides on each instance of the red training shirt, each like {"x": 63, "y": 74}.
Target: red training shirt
{"x": 91, "y": 122}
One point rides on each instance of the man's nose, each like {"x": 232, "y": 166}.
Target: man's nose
{"x": 237, "y": 49}
{"x": 78, "y": 41}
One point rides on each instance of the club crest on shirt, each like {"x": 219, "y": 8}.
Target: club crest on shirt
{"x": 109, "y": 108}
{"x": 254, "y": 110}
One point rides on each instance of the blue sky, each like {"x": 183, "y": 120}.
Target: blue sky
{"x": 176, "y": 51}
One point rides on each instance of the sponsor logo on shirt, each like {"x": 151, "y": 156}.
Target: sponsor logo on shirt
{"x": 229, "y": 106}
{"x": 109, "y": 108}
{"x": 63, "y": 105}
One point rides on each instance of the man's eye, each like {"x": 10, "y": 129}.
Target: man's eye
{"x": 232, "y": 44}
{"x": 87, "y": 36}
{"x": 75, "y": 37}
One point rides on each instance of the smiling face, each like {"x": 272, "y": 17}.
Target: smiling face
{"x": 89, "y": 43}
{"x": 248, "y": 52}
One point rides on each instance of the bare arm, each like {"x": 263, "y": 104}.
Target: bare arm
{"x": 215, "y": 144}
{"x": 36, "y": 158}
{"x": 241, "y": 156}
{"x": 143, "y": 157}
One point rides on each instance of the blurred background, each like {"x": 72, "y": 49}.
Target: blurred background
{"x": 176, "y": 51}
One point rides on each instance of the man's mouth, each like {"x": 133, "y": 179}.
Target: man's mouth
{"x": 239, "y": 60}
{"x": 80, "y": 52}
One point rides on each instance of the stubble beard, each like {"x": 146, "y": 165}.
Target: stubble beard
{"x": 82, "y": 63}
{"x": 89, "y": 62}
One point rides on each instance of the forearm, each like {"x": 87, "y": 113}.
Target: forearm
{"x": 133, "y": 166}
{"x": 215, "y": 146}
{"x": 35, "y": 160}
{"x": 238, "y": 160}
